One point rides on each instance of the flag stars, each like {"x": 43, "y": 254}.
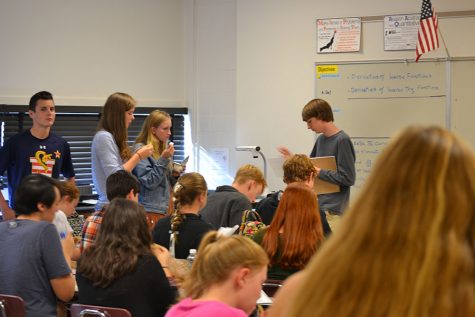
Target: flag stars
{"x": 57, "y": 154}
{"x": 426, "y": 11}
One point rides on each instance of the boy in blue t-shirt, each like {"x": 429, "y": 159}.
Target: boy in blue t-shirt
{"x": 35, "y": 151}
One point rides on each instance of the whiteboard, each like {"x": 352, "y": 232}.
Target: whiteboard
{"x": 463, "y": 99}
{"x": 376, "y": 99}
{"x": 367, "y": 151}
{"x": 373, "y": 100}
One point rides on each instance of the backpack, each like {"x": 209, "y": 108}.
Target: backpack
{"x": 251, "y": 223}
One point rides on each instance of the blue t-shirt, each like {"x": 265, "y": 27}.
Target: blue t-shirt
{"x": 23, "y": 154}
{"x": 30, "y": 256}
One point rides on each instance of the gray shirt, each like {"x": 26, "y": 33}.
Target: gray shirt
{"x": 105, "y": 160}
{"x": 30, "y": 256}
{"x": 340, "y": 146}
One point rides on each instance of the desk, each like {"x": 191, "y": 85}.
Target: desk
{"x": 86, "y": 207}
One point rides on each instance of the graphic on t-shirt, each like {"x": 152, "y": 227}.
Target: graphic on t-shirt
{"x": 42, "y": 163}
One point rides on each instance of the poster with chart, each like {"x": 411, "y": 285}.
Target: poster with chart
{"x": 400, "y": 32}
{"x": 373, "y": 100}
{"x": 338, "y": 35}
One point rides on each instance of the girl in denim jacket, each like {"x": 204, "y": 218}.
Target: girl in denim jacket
{"x": 155, "y": 171}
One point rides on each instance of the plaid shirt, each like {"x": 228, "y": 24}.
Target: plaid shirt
{"x": 90, "y": 229}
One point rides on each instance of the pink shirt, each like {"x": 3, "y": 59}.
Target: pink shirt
{"x": 190, "y": 308}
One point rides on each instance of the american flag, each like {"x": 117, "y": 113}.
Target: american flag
{"x": 427, "y": 37}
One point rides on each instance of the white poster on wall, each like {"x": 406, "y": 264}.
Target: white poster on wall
{"x": 338, "y": 35}
{"x": 220, "y": 159}
{"x": 400, "y": 32}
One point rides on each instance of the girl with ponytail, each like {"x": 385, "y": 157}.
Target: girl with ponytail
{"x": 225, "y": 279}
{"x": 184, "y": 229}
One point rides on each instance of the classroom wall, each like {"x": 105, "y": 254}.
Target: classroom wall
{"x": 83, "y": 51}
{"x": 211, "y": 87}
{"x": 276, "y": 53}
{"x": 244, "y": 68}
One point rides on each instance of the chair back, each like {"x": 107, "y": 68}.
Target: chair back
{"x": 270, "y": 287}
{"x": 11, "y": 306}
{"x": 80, "y": 310}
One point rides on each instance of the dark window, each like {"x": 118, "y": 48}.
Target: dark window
{"x": 77, "y": 125}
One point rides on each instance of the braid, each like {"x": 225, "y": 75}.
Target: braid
{"x": 176, "y": 218}
{"x": 186, "y": 190}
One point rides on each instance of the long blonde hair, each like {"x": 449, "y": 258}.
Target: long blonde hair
{"x": 154, "y": 119}
{"x": 217, "y": 257}
{"x": 406, "y": 247}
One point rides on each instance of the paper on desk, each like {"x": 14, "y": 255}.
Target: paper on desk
{"x": 89, "y": 201}
{"x": 264, "y": 299}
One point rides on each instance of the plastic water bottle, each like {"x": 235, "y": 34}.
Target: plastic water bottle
{"x": 191, "y": 257}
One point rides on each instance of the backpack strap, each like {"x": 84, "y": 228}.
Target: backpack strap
{"x": 246, "y": 216}
{"x": 256, "y": 215}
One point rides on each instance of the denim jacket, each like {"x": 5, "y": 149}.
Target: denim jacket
{"x": 154, "y": 176}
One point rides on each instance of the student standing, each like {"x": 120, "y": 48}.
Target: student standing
{"x": 155, "y": 171}
{"x": 109, "y": 151}
{"x": 331, "y": 142}
{"x": 35, "y": 151}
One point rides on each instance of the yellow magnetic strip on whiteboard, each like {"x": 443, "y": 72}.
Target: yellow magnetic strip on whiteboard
{"x": 326, "y": 69}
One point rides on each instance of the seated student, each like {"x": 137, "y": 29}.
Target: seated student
{"x": 32, "y": 264}
{"x": 225, "y": 279}
{"x": 226, "y": 205}
{"x": 294, "y": 234}
{"x": 184, "y": 229}
{"x": 297, "y": 169}
{"x": 120, "y": 269}
{"x": 67, "y": 204}
{"x": 406, "y": 246}
{"x": 121, "y": 184}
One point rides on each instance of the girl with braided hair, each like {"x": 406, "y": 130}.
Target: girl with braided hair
{"x": 184, "y": 229}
